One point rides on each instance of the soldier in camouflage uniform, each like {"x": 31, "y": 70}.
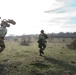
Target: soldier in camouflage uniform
{"x": 3, "y": 32}
{"x": 42, "y": 42}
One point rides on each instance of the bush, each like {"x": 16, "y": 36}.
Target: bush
{"x": 72, "y": 45}
{"x": 25, "y": 41}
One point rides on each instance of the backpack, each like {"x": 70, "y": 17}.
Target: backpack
{"x": 42, "y": 38}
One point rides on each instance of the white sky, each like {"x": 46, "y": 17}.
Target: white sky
{"x": 30, "y": 16}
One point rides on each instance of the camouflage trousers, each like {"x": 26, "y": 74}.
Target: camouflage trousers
{"x": 2, "y": 45}
{"x": 42, "y": 46}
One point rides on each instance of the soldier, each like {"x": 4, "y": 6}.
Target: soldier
{"x": 42, "y": 42}
{"x": 3, "y": 31}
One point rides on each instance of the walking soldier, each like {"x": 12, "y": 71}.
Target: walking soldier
{"x": 42, "y": 42}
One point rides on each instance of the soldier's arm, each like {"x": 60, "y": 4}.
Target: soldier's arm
{"x": 46, "y": 36}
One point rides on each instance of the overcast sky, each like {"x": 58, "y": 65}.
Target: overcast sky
{"x": 33, "y": 15}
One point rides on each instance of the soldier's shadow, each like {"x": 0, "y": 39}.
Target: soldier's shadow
{"x": 63, "y": 64}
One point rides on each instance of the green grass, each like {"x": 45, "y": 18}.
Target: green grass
{"x": 25, "y": 60}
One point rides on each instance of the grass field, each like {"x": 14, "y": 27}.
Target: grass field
{"x": 25, "y": 60}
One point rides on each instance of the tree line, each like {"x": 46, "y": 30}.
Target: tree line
{"x": 62, "y": 35}
{"x": 50, "y": 35}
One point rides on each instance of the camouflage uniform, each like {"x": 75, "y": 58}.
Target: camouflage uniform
{"x": 3, "y": 32}
{"x": 2, "y": 45}
{"x": 42, "y": 42}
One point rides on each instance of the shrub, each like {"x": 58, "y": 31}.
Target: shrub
{"x": 72, "y": 45}
{"x": 25, "y": 41}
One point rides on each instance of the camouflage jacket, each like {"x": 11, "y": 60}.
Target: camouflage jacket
{"x": 42, "y": 38}
{"x": 3, "y": 32}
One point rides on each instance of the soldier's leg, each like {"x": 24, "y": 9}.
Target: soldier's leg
{"x": 44, "y": 46}
{"x": 2, "y": 46}
{"x": 40, "y": 50}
